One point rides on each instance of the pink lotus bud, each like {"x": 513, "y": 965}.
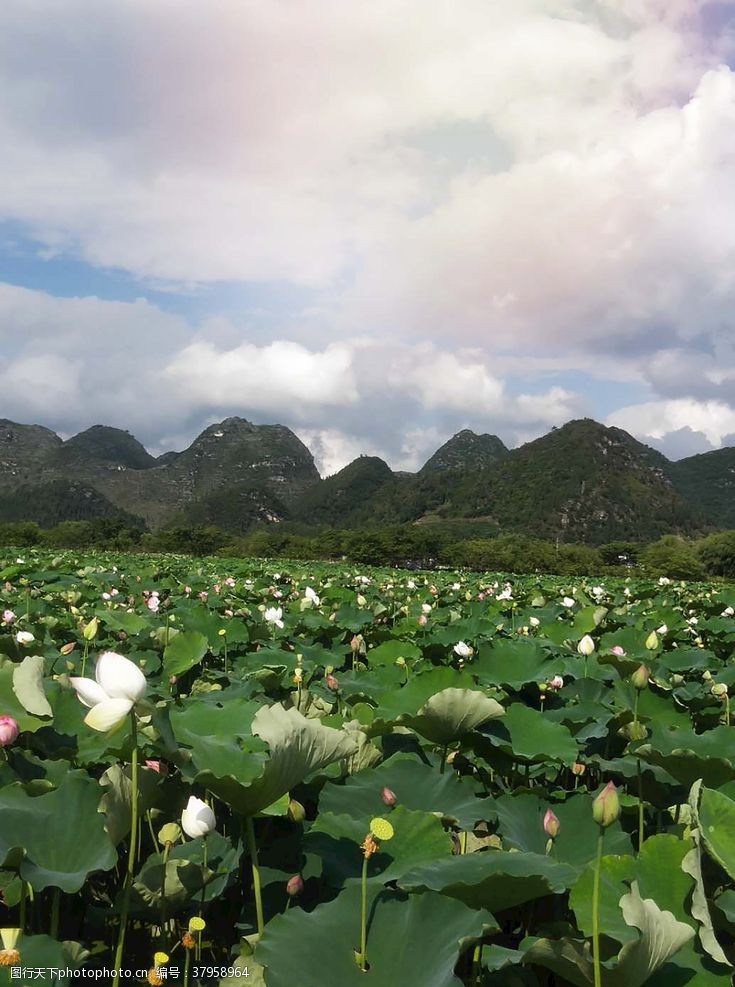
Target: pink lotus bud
{"x": 639, "y": 678}
{"x": 551, "y": 824}
{"x": 606, "y": 807}
{"x": 294, "y": 885}
{"x": 617, "y": 651}
{"x": 388, "y": 797}
{"x": 331, "y": 682}
{"x": 556, "y": 683}
{"x": 158, "y": 767}
{"x": 422, "y": 620}
{"x": 8, "y": 616}
{"x": 8, "y": 731}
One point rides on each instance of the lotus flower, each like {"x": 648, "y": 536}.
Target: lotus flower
{"x": 309, "y": 594}
{"x": 274, "y": 615}
{"x": 551, "y": 824}
{"x": 586, "y": 646}
{"x": 462, "y": 650}
{"x": 197, "y": 819}
{"x": 118, "y": 687}
{"x": 24, "y": 637}
{"x": 8, "y": 616}
{"x": 8, "y": 731}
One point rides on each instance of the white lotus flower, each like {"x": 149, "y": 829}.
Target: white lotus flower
{"x": 586, "y": 646}
{"x": 567, "y": 601}
{"x": 309, "y": 594}
{"x": 462, "y": 650}
{"x": 728, "y": 612}
{"x": 197, "y": 819}
{"x": 598, "y": 591}
{"x": 274, "y": 615}
{"x": 534, "y": 621}
{"x": 663, "y": 629}
{"x": 24, "y": 637}
{"x": 506, "y": 594}
{"x": 117, "y": 686}
{"x": 664, "y": 581}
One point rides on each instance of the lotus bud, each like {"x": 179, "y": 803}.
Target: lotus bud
{"x": 331, "y": 682}
{"x": 586, "y": 646}
{"x": 618, "y": 651}
{"x": 652, "y": 641}
{"x": 66, "y": 649}
{"x": 169, "y": 834}
{"x": 294, "y": 886}
{"x": 551, "y": 824}
{"x": 707, "y": 676}
{"x": 606, "y": 807}
{"x": 719, "y": 690}
{"x": 677, "y": 680}
{"x": 578, "y": 769}
{"x": 388, "y": 797}
{"x": 357, "y": 644}
{"x": 197, "y": 819}
{"x": 639, "y": 678}
{"x": 8, "y": 731}
{"x": 296, "y": 811}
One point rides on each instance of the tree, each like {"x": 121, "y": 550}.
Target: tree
{"x": 717, "y": 553}
{"x": 673, "y": 557}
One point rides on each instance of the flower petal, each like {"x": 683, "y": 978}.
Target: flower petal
{"x": 108, "y": 714}
{"x": 88, "y": 691}
{"x": 120, "y": 677}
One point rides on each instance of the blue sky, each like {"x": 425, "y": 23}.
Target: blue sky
{"x": 517, "y": 215}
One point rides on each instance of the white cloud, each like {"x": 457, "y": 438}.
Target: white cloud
{"x": 282, "y": 375}
{"x": 657, "y": 419}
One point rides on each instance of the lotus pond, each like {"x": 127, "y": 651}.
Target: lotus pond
{"x": 233, "y": 771}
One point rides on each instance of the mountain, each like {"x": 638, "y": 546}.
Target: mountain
{"x": 582, "y": 482}
{"x": 466, "y": 451}
{"x": 109, "y": 446}
{"x": 340, "y": 500}
{"x": 230, "y": 454}
{"x": 709, "y": 481}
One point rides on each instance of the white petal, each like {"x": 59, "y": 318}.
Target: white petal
{"x": 104, "y": 716}
{"x": 88, "y": 692}
{"x": 119, "y": 677}
{"x": 197, "y": 819}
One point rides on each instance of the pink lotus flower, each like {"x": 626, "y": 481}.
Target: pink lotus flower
{"x": 8, "y": 731}
{"x": 8, "y": 616}
{"x": 422, "y": 620}
{"x": 617, "y": 651}
{"x": 158, "y": 767}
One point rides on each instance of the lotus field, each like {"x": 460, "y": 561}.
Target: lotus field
{"x": 228, "y": 772}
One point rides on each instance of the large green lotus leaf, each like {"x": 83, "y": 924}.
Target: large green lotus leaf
{"x": 413, "y": 939}
{"x": 11, "y": 704}
{"x": 658, "y": 871}
{"x": 452, "y": 713}
{"x": 28, "y": 686}
{"x": 689, "y": 756}
{"x": 120, "y": 620}
{"x": 181, "y": 881}
{"x": 493, "y": 879}
{"x": 416, "y": 785}
{"x": 520, "y": 823}
{"x": 387, "y": 652}
{"x": 222, "y": 860}
{"x": 44, "y": 953}
{"x": 661, "y": 936}
{"x": 61, "y": 833}
{"x": 684, "y": 660}
{"x": 184, "y": 652}
{"x": 717, "y": 826}
{"x": 297, "y": 748}
{"x": 513, "y": 663}
{"x": 219, "y": 737}
{"x": 418, "y": 837}
{"x": 115, "y": 802}
{"x": 396, "y": 704}
{"x": 530, "y": 737}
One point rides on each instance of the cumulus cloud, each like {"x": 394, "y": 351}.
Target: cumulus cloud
{"x": 463, "y": 193}
{"x": 659, "y": 421}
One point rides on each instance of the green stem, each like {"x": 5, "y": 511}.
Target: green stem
{"x": 363, "y": 916}
{"x": 640, "y": 805}
{"x": 156, "y": 844}
{"x": 443, "y": 764}
{"x": 164, "y": 916}
{"x": 253, "y": 850}
{"x": 132, "y": 846}
{"x": 187, "y": 964}
{"x": 55, "y": 909}
{"x": 201, "y": 902}
{"x": 476, "y": 964}
{"x": 23, "y": 897}
{"x": 596, "y": 911}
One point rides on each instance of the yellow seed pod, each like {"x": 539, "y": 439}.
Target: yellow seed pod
{"x": 159, "y": 959}
{"x": 381, "y": 829}
{"x": 197, "y": 924}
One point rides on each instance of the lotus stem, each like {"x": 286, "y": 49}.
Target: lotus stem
{"x": 596, "y": 910}
{"x": 132, "y": 846}
{"x": 55, "y": 909}
{"x": 164, "y": 917}
{"x": 22, "y": 909}
{"x": 640, "y": 804}
{"x": 204, "y": 890}
{"x": 363, "y": 916}
{"x": 253, "y": 849}
{"x": 476, "y": 965}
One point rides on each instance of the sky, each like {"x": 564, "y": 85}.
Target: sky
{"x": 376, "y": 223}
